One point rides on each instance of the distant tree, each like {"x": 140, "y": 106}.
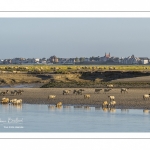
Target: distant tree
{"x": 77, "y": 59}
{"x": 92, "y": 58}
{"x": 82, "y": 59}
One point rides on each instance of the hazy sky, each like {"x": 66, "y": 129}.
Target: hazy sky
{"x": 74, "y": 37}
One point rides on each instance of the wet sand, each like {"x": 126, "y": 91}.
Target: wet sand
{"x": 131, "y": 100}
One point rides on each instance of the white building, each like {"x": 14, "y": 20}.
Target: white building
{"x": 1, "y": 61}
{"x": 144, "y": 60}
{"x": 130, "y": 60}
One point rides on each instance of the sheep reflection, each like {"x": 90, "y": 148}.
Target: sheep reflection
{"x": 124, "y": 110}
{"x": 18, "y": 106}
{"x": 67, "y": 106}
{"x": 86, "y": 107}
{"x": 146, "y": 111}
{"x": 52, "y": 107}
{"x": 111, "y": 110}
{"x": 78, "y": 106}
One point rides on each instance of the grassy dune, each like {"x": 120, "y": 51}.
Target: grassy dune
{"x": 72, "y": 68}
{"x": 76, "y": 75}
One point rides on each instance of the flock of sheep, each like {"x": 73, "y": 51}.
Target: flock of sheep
{"x": 106, "y": 104}
{"x": 5, "y": 100}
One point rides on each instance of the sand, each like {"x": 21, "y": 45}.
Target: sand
{"x": 131, "y": 100}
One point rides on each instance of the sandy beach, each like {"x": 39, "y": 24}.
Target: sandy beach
{"x": 131, "y": 100}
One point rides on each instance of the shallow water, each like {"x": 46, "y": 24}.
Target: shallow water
{"x": 44, "y": 118}
{"x": 28, "y": 85}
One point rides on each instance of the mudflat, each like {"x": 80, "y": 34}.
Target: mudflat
{"x": 131, "y": 100}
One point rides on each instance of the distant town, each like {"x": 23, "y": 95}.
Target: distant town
{"x": 106, "y": 59}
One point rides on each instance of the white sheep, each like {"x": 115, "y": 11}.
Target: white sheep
{"x": 18, "y": 101}
{"x": 146, "y": 96}
{"x": 111, "y": 98}
{"x": 13, "y": 100}
{"x": 105, "y": 104}
{"x": 112, "y": 103}
{"x": 110, "y": 85}
{"x": 59, "y": 104}
{"x": 87, "y": 96}
{"x": 124, "y": 90}
{"x": 5, "y": 100}
{"x": 51, "y": 96}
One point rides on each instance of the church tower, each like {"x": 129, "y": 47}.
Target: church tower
{"x": 107, "y": 55}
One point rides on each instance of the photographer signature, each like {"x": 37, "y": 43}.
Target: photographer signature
{"x": 12, "y": 120}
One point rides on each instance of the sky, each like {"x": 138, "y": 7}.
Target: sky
{"x": 74, "y": 37}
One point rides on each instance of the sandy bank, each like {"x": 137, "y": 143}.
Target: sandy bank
{"x": 133, "y": 99}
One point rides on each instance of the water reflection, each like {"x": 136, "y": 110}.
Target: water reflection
{"x": 146, "y": 111}
{"x": 87, "y": 107}
{"x": 67, "y": 106}
{"x": 54, "y": 107}
{"x": 78, "y": 106}
{"x": 111, "y": 110}
{"x": 98, "y": 108}
{"x": 70, "y": 107}
{"x": 124, "y": 110}
{"x": 51, "y": 106}
{"x": 18, "y": 106}
{"x": 9, "y": 106}
{"x": 6, "y": 106}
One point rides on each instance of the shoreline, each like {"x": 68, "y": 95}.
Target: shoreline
{"x": 131, "y": 100}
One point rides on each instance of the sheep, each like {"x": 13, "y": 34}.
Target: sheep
{"x": 51, "y": 96}
{"x": 5, "y": 100}
{"x": 4, "y": 92}
{"x": 110, "y": 85}
{"x": 97, "y": 90}
{"x": 111, "y": 98}
{"x": 146, "y": 96}
{"x": 107, "y": 90}
{"x": 18, "y": 101}
{"x": 105, "y": 104}
{"x": 59, "y": 104}
{"x": 87, "y": 96}
{"x": 112, "y": 103}
{"x": 13, "y": 92}
{"x": 124, "y": 90}
{"x": 7, "y": 91}
{"x": 74, "y": 91}
{"x": 66, "y": 91}
{"x": 78, "y": 91}
{"x": 13, "y": 100}
{"x": 18, "y": 92}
